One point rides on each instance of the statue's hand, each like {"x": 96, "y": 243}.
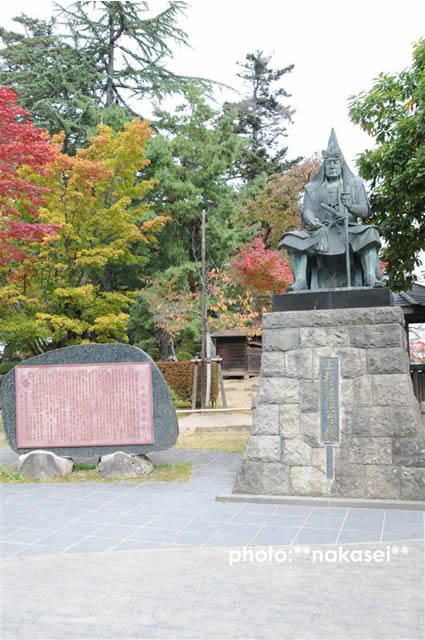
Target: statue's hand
{"x": 346, "y": 200}
{"x": 316, "y": 224}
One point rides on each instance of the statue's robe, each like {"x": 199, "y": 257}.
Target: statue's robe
{"x": 330, "y": 241}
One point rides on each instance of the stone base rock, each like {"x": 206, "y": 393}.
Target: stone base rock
{"x": 123, "y": 465}
{"x": 43, "y": 465}
{"x": 379, "y": 451}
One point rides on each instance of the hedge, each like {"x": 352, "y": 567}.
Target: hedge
{"x": 179, "y": 376}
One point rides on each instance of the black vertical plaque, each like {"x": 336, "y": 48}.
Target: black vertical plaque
{"x": 329, "y": 400}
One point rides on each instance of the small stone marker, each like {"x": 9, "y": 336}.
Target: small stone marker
{"x": 88, "y": 400}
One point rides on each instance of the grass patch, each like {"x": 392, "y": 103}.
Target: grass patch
{"x": 230, "y": 439}
{"x": 178, "y": 472}
{"x": 3, "y": 439}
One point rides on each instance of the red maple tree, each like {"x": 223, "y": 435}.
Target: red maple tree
{"x": 24, "y": 151}
{"x": 263, "y": 269}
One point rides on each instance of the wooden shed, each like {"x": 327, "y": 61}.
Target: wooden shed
{"x": 241, "y": 354}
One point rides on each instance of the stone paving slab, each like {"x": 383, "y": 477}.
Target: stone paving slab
{"x": 192, "y": 594}
{"x": 45, "y": 518}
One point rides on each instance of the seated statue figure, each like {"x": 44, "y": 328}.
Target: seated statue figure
{"x": 333, "y": 203}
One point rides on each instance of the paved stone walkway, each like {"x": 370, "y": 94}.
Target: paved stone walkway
{"x": 117, "y": 561}
{"x": 46, "y": 518}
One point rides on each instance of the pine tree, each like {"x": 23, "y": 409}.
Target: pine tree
{"x": 262, "y": 117}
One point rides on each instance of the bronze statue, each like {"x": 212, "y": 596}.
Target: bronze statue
{"x": 336, "y": 250}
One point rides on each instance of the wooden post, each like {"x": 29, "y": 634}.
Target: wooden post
{"x": 221, "y": 381}
{"x": 195, "y": 381}
{"x": 204, "y": 310}
{"x": 208, "y": 383}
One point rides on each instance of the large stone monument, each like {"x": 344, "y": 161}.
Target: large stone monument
{"x": 336, "y": 415}
{"x": 89, "y": 401}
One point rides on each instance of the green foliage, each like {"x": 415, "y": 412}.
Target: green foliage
{"x": 194, "y": 160}
{"x": 130, "y": 45}
{"x": 5, "y": 367}
{"x": 154, "y": 353}
{"x": 183, "y": 355}
{"x": 6, "y": 475}
{"x": 393, "y": 112}
{"x": 262, "y": 118}
{"x": 54, "y": 80}
{"x": 85, "y": 66}
{"x": 164, "y": 309}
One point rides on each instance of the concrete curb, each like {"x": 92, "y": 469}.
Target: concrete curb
{"x": 416, "y": 505}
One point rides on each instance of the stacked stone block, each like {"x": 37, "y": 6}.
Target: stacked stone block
{"x": 381, "y": 450}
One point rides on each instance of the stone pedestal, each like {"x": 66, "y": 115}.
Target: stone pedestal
{"x": 336, "y": 414}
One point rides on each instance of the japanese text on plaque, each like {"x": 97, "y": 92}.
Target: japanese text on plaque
{"x": 329, "y": 400}
{"x": 84, "y": 405}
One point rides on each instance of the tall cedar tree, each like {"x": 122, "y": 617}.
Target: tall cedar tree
{"x": 83, "y": 67}
{"x": 24, "y": 149}
{"x": 54, "y": 80}
{"x": 262, "y": 117}
{"x": 130, "y": 48}
{"x": 393, "y": 112}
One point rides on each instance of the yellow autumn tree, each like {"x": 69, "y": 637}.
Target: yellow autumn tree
{"x": 68, "y": 292}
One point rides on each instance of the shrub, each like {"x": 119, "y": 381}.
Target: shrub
{"x": 154, "y": 353}
{"x": 183, "y": 355}
{"x": 179, "y": 376}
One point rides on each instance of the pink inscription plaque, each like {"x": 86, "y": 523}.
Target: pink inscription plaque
{"x": 78, "y": 405}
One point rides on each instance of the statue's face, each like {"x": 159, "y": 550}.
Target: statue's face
{"x": 333, "y": 167}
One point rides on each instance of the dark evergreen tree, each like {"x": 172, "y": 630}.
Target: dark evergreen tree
{"x": 194, "y": 159}
{"x": 84, "y": 66}
{"x": 54, "y": 80}
{"x": 262, "y": 117}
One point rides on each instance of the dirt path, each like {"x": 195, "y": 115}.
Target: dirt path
{"x": 239, "y": 392}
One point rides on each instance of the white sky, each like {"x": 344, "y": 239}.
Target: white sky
{"x": 338, "y": 48}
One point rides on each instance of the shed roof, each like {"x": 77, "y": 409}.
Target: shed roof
{"x": 228, "y": 333}
{"x": 416, "y": 296}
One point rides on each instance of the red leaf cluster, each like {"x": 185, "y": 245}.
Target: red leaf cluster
{"x": 23, "y": 148}
{"x": 262, "y": 268}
